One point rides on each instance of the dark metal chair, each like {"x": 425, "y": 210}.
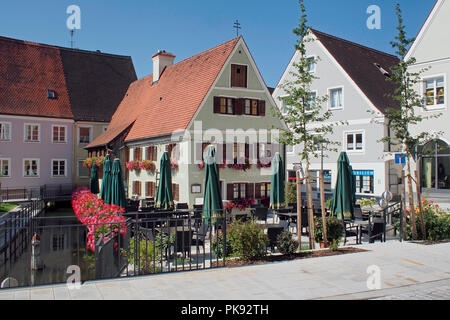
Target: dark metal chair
{"x": 181, "y": 206}
{"x": 357, "y": 226}
{"x": 200, "y": 235}
{"x": 261, "y": 214}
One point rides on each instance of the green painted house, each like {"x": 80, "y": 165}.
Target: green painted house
{"x": 215, "y": 97}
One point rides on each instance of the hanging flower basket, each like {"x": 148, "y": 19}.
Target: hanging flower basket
{"x": 148, "y": 165}
{"x": 241, "y": 204}
{"x": 241, "y": 167}
{"x": 134, "y": 165}
{"x": 88, "y": 162}
{"x": 174, "y": 166}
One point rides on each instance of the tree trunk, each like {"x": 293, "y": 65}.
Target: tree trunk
{"x": 404, "y": 205}
{"x": 312, "y": 244}
{"x": 419, "y": 199}
{"x": 412, "y": 213}
{"x": 299, "y": 211}
{"x": 322, "y": 204}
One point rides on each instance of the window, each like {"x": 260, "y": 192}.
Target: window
{"x": 311, "y": 65}
{"x": 4, "y": 167}
{"x": 265, "y": 189}
{"x": 239, "y": 190}
{"x": 150, "y": 189}
{"x": 51, "y": 94}
{"x": 354, "y": 141}
{"x": 286, "y": 108}
{"x": 238, "y": 76}
{"x": 152, "y": 153}
{"x": 311, "y": 101}
{"x": 240, "y": 150}
{"x": 196, "y": 188}
{"x": 59, "y": 134}
{"x": 226, "y": 105}
{"x": 84, "y": 135}
{"x": 59, "y": 242}
{"x": 435, "y": 92}
{"x": 83, "y": 172}
{"x": 58, "y": 168}
{"x": 336, "y": 99}
{"x": 247, "y": 106}
{"x": 289, "y": 149}
{"x": 31, "y": 167}
{"x": 137, "y": 154}
{"x": 137, "y": 188}
{"x": 5, "y": 131}
{"x": 327, "y": 180}
{"x": 364, "y": 181}
{"x": 32, "y": 133}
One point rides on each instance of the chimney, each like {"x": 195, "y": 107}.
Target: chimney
{"x": 161, "y": 60}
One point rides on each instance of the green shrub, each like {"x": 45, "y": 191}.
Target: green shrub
{"x": 286, "y": 244}
{"x": 437, "y": 222}
{"x": 334, "y": 229}
{"x": 248, "y": 240}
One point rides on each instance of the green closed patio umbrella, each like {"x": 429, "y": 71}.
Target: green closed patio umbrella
{"x": 94, "y": 179}
{"x": 344, "y": 193}
{"x": 164, "y": 198}
{"x": 105, "y": 192}
{"x": 117, "y": 189}
{"x": 277, "y": 196}
{"x": 212, "y": 199}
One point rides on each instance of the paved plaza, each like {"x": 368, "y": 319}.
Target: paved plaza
{"x": 407, "y": 271}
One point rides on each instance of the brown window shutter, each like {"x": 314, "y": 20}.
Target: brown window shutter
{"x": 234, "y": 75}
{"x": 247, "y": 150}
{"x": 238, "y": 106}
{"x": 147, "y": 189}
{"x": 216, "y": 104}
{"x": 262, "y": 108}
{"x": 177, "y": 192}
{"x": 250, "y": 190}
{"x": 257, "y": 190}
{"x": 230, "y": 193}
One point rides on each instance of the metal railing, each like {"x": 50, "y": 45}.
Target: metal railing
{"x": 51, "y": 192}
{"x": 156, "y": 242}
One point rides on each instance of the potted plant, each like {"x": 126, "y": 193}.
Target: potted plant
{"x": 148, "y": 165}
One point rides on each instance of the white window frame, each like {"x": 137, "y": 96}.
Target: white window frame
{"x": 65, "y": 168}
{"x": 316, "y": 93}
{"x": 38, "y": 167}
{"x": 424, "y": 90}
{"x": 330, "y": 90}
{"x": 354, "y": 133}
{"x": 65, "y": 134}
{"x": 91, "y": 133}
{"x": 314, "y": 64}
{"x": 9, "y": 167}
{"x": 283, "y": 106}
{"x": 25, "y": 132}
{"x": 78, "y": 169}
{"x": 9, "y": 138}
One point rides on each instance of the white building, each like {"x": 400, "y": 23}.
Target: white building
{"x": 354, "y": 78}
{"x": 431, "y": 50}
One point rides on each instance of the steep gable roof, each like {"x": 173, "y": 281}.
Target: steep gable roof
{"x": 89, "y": 85}
{"x": 359, "y": 62}
{"x": 96, "y": 82}
{"x": 27, "y": 70}
{"x": 170, "y": 104}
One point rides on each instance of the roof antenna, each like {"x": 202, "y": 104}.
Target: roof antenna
{"x": 72, "y": 33}
{"x": 237, "y": 25}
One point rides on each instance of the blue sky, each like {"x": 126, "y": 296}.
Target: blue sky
{"x": 139, "y": 28}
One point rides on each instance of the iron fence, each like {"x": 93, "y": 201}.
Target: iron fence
{"x": 49, "y": 192}
{"x": 153, "y": 243}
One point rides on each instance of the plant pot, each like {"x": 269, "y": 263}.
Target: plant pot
{"x": 322, "y": 245}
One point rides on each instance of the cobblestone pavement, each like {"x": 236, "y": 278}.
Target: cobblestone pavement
{"x": 407, "y": 271}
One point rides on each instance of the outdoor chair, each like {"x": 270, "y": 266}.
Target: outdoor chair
{"x": 181, "y": 206}
{"x": 200, "y": 235}
{"x": 357, "y": 226}
{"x": 261, "y": 214}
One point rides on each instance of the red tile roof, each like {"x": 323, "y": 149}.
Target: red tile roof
{"x": 170, "y": 104}
{"x": 27, "y": 70}
{"x": 89, "y": 85}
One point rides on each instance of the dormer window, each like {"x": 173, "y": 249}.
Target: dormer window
{"x": 382, "y": 70}
{"x": 51, "y": 94}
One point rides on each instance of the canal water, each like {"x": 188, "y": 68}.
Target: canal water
{"x": 62, "y": 245}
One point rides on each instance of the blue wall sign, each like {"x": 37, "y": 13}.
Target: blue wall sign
{"x": 363, "y": 172}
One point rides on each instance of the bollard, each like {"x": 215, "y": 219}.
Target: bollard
{"x": 36, "y": 261}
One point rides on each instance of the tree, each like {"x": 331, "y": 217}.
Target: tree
{"x": 402, "y": 118}
{"x": 305, "y": 118}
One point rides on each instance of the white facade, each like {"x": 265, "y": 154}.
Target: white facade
{"x": 348, "y": 103}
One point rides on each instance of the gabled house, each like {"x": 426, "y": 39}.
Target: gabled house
{"x": 431, "y": 49}
{"x": 54, "y": 101}
{"x": 215, "y": 97}
{"x": 354, "y": 79}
